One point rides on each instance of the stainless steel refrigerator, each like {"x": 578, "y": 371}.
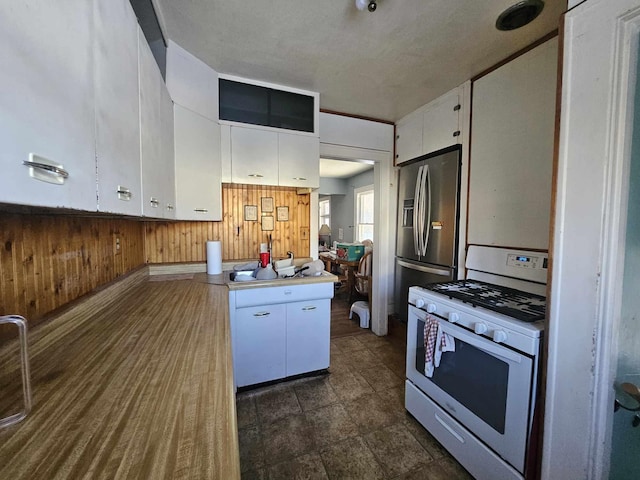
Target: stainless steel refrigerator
{"x": 428, "y": 215}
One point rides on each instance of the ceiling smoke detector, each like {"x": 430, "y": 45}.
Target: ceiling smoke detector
{"x": 519, "y": 15}
{"x": 368, "y": 4}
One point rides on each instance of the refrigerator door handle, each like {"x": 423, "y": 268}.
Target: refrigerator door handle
{"x": 426, "y": 201}
{"x": 422, "y": 268}
{"x": 416, "y": 217}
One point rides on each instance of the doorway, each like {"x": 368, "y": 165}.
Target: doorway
{"x": 384, "y": 210}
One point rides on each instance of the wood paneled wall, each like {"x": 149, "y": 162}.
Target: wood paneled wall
{"x": 174, "y": 242}
{"x": 49, "y": 260}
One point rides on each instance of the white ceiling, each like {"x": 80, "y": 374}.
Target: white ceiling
{"x": 382, "y": 65}
{"x": 341, "y": 168}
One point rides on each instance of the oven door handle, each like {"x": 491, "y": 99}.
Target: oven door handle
{"x": 480, "y": 342}
{"x": 477, "y": 341}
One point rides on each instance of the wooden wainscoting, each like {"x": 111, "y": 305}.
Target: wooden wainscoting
{"x": 176, "y": 242}
{"x": 49, "y": 260}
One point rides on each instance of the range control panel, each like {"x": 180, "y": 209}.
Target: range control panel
{"x": 525, "y": 261}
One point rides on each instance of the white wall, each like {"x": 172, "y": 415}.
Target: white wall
{"x": 332, "y": 186}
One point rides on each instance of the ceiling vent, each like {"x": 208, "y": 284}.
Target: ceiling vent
{"x": 519, "y": 15}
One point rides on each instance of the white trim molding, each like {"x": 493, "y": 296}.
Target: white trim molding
{"x": 599, "y": 65}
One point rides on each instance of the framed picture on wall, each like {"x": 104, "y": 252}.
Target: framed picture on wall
{"x": 250, "y": 213}
{"x": 282, "y": 214}
{"x": 267, "y": 222}
{"x": 267, "y": 204}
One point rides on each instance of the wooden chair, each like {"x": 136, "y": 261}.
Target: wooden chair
{"x": 363, "y": 276}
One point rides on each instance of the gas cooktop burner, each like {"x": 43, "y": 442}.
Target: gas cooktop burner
{"x": 524, "y": 306}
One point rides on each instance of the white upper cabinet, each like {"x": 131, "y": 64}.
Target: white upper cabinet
{"x": 156, "y": 137}
{"x": 167, "y": 154}
{"x": 432, "y": 127}
{"x": 193, "y": 87}
{"x": 298, "y": 161}
{"x": 46, "y": 104}
{"x": 409, "y": 137}
{"x": 191, "y": 82}
{"x": 198, "y": 169}
{"x": 117, "y": 108}
{"x": 254, "y": 156}
{"x": 510, "y": 181}
{"x": 441, "y": 120}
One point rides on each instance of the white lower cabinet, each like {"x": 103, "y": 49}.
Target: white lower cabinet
{"x": 278, "y": 332}
{"x": 261, "y": 346}
{"x": 308, "y": 325}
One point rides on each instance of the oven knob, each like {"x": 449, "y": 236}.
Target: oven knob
{"x": 453, "y": 317}
{"x": 431, "y": 307}
{"x": 499, "y": 336}
{"x": 480, "y": 328}
{"x": 419, "y": 302}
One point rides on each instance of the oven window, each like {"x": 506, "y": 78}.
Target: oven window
{"x": 474, "y": 378}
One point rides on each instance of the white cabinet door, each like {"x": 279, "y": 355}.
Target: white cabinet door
{"x": 513, "y": 124}
{"x": 440, "y": 127}
{"x": 46, "y": 102}
{"x": 191, "y": 82}
{"x": 167, "y": 156}
{"x": 117, "y": 108}
{"x": 409, "y": 137}
{"x": 254, "y": 156}
{"x": 308, "y": 334}
{"x": 198, "y": 170}
{"x": 156, "y": 137}
{"x": 260, "y": 344}
{"x": 299, "y": 160}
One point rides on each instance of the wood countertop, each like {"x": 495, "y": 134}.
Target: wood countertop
{"x": 140, "y": 387}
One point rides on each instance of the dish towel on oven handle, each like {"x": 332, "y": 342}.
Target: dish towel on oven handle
{"x": 435, "y": 343}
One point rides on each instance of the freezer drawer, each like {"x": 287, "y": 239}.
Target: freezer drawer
{"x": 409, "y": 274}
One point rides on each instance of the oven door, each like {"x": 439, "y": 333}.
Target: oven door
{"x": 485, "y": 386}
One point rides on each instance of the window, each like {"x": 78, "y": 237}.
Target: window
{"x": 364, "y": 213}
{"x": 324, "y": 216}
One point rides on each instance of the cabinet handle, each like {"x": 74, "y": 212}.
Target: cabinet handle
{"x": 262, "y": 314}
{"x": 299, "y": 178}
{"x": 200, "y": 210}
{"x": 170, "y": 207}
{"x": 255, "y": 175}
{"x": 456, "y": 108}
{"x": 124, "y": 193}
{"x": 154, "y": 202}
{"x": 456, "y": 133}
{"x": 306, "y": 309}
{"x": 45, "y": 170}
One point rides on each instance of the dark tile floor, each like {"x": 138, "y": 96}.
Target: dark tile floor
{"x": 349, "y": 424}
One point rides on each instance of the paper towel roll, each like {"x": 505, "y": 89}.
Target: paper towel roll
{"x": 214, "y": 257}
{"x": 264, "y": 248}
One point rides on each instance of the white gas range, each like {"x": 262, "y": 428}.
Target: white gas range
{"x": 478, "y": 402}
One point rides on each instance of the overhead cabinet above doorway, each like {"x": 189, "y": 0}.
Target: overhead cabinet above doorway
{"x": 269, "y": 134}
